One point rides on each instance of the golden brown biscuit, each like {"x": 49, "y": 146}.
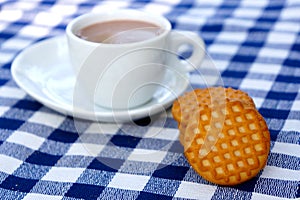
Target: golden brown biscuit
{"x": 228, "y": 143}
{"x": 193, "y": 99}
{"x": 191, "y": 102}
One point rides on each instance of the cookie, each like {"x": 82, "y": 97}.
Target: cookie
{"x": 193, "y": 99}
{"x": 227, "y": 143}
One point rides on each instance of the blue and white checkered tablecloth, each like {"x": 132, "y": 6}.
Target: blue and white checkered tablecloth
{"x": 255, "y": 46}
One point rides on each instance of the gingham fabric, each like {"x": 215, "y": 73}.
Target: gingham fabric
{"x": 255, "y": 46}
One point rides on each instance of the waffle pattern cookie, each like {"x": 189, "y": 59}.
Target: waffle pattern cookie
{"x": 227, "y": 142}
{"x": 191, "y": 102}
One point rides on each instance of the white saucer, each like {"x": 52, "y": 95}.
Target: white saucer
{"x": 43, "y": 70}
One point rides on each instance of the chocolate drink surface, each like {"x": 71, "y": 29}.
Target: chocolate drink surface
{"x": 119, "y": 31}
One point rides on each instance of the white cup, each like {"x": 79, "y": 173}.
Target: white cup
{"x": 124, "y": 76}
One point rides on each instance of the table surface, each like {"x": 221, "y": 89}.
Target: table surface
{"x": 255, "y": 47}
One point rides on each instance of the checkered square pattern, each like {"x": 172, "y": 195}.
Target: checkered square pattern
{"x": 254, "y": 45}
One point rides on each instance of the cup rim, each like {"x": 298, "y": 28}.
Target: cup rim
{"x": 122, "y": 14}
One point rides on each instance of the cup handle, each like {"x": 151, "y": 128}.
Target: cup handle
{"x": 179, "y": 38}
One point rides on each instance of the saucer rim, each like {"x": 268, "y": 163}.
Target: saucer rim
{"x": 75, "y": 112}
